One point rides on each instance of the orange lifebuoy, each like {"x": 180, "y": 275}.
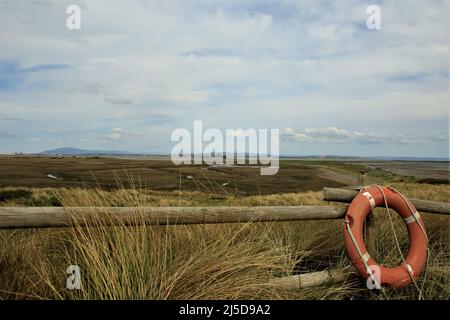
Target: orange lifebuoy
{"x": 360, "y": 207}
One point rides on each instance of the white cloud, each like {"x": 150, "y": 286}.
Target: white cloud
{"x": 37, "y": 139}
{"x": 116, "y": 134}
{"x": 339, "y": 135}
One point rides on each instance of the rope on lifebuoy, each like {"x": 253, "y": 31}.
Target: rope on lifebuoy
{"x": 364, "y": 257}
{"x": 414, "y": 217}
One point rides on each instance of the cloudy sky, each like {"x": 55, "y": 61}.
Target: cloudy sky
{"x": 137, "y": 70}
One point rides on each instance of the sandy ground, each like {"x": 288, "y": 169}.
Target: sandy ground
{"x": 338, "y": 176}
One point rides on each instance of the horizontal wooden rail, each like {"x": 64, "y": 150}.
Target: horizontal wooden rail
{"x": 333, "y": 276}
{"x": 51, "y": 217}
{"x": 347, "y": 195}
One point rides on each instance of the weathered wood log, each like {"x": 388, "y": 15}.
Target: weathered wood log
{"x": 51, "y": 217}
{"x": 319, "y": 278}
{"x": 347, "y": 195}
{"x": 314, "y": 279}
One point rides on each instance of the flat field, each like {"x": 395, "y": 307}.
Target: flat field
{"x": 90, "y": 172}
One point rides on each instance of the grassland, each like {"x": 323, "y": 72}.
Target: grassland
{"x": 104, "y": 173}
{"x": 223, "y": 261}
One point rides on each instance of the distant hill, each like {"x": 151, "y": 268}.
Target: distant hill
{"x": 76, "y": 151}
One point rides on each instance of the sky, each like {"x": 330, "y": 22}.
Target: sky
{"x": 138, "y": 70}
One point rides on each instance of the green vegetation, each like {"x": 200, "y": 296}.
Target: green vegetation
{"x": 14, "y": 194}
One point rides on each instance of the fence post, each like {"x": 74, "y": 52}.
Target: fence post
{"x": 362, "y": 178}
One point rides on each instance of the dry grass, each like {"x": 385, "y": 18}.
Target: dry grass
{"x": 228, "y": 261}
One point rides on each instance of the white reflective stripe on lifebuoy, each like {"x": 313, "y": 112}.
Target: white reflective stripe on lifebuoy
{"x": 412, "y": 218}
{"x": 370, "y": 198}
{"x": 366, "y": 257}
{"x": 409, "y": 269}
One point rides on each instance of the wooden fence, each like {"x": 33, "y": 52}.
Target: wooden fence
{"x": 53, "y": 217}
